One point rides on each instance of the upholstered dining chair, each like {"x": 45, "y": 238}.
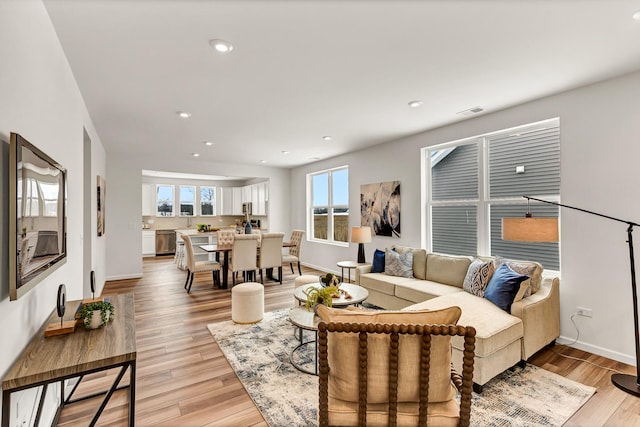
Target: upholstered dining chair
{"x": 225, "y": 237}
{"x": 294, "y": 251}
{"x": 194, "y": 266}
{"x": 270, "y": 255}
{"x": 392, "y": 368}
{"x": 244, "y": 256}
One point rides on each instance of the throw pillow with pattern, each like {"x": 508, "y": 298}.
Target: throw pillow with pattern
{"x": 478, "y": 276}
{"x": 528, "y": 268}
{"x": 396, "y": 264}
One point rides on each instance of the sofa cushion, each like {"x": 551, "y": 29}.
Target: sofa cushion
{"x": 529, "y": 268}
{"x": 397, "y": 264}
{"x": 495, "y": 328}
{"x": 344, "y": 366}
{"x": 477, "y": 277}
{"x": 419, "y": 260}
{"x": 447, "y": 269}
{"x": 420, "y": 290}
{"x": 378, "y": 262}
{"x": 382, "y": 282}
{"x": 504, "y": 286}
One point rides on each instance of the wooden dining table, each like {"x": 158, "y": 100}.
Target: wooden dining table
{"x": 225, "y": 250}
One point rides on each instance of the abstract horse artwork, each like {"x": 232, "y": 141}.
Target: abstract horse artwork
{"x": 380, "y": 207}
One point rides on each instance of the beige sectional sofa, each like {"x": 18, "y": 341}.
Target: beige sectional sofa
{"x": 503, "y": 339}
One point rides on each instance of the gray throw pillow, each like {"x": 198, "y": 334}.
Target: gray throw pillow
{"x": 478, "y": 276}
{"x": 396, "y": 264}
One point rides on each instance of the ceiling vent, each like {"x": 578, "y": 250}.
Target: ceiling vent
{"x": 471, "y": 111}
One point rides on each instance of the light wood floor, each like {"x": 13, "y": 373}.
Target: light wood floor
{"x": 184, "y": 380}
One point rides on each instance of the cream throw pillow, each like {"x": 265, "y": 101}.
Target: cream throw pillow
{"x": 343, "y": 356}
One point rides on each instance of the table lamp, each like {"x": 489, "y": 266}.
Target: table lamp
{"x": 361, "y": 235}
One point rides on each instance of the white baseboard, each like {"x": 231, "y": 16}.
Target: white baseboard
{"x": 600, "y": 351}
{"x": 125, "y": 276}
{"x": 317, "y": 267}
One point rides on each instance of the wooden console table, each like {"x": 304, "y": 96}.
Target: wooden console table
{"x": 56, "y": 359}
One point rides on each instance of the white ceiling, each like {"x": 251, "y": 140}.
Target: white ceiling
{"x": 304, "y": 69}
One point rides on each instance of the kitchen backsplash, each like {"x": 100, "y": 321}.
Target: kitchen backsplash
{"x": 175, "y": 223}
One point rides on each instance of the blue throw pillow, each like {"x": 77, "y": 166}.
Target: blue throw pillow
{"x": 503, "y": 287}
{"x": 378, "y": 262}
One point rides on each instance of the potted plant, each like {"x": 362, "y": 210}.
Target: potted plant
{"x": 96, "y": 314}
{"x": 320, "y": 295}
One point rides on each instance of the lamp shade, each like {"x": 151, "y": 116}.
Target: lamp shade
{"x": 361, "y": 234}
{"x": 530, "y": 229}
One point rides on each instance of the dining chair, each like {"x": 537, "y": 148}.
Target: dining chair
{"x": 194, "y": 266}
{"x": 244, "y": 254}
{"x": 224, "y": 237}
{"x": 294, "y": 251}
{"x": 270, "y": 255}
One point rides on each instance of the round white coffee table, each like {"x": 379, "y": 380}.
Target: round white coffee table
{"x": 357, "y": 293}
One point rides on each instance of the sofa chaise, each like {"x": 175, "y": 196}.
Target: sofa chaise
{"x": 505, "y": 336}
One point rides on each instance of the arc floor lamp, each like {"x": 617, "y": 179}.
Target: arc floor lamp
{"x": 531, "y": 229}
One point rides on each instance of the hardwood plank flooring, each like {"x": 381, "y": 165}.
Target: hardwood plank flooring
{"x": 183, "y": 379}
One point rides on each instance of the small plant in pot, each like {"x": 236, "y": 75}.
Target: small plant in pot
{"x": 321, "y": 295}
{"x": 96, "y": 314}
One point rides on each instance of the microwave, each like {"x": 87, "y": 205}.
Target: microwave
{"x": 246, "y": 208}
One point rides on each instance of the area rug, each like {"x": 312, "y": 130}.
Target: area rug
{"x": 260, "y": 356}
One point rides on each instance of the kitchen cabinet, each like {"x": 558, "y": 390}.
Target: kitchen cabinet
{"x": 246, "y": 194}
{"x": 234, "y": 197}
{"x": 226, "y": 194}
{"x": 148, "y": 200}
{"x": 237, "y": 201}
{"x": 148, "y": 243}
{"x": 258, "y": 197}
{"x": 231, "y": 200}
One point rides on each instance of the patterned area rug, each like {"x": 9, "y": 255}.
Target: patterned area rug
{"x": 260, "y": 356}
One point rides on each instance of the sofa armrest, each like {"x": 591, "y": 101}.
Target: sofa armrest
{"x": 362, "y": 269}
{"x": 540, "y": 315}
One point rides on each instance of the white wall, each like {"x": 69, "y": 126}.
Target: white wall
{"x": 600, "y": 148}
{"x": 41, "y": 101}
{"x": 124, "y": 211}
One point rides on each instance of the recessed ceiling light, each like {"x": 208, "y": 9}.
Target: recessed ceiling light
{"x": 195, "y": 154}
{"x": 208, "y": 143}
{"x": 285, "y": 152}
{"x": 327, "y": 138}
{"x": 263, "y": 161}
{"x": 183, "y": 114}
{"x": 415, "y": 104}
{"x": 314, "y": 158}
{"x": 636, "y": 16}
{"x": 221, "y": 46}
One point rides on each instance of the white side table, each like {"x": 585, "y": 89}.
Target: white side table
{"x": 349, "y": 265}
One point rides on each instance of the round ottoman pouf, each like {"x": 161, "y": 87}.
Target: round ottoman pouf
{"x": 303, "y": 280}
{"x": 247, "y": 302}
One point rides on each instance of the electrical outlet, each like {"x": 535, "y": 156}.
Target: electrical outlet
{"x": 586, "y": 312}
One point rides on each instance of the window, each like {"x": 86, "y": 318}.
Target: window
{"x": 164, "y": 200}
{"x": 32, "y": 199}
{"x": 207, "y": 201}
{"x": 472, "y": 184}
{"x": 329, "y": 210}
{"x": 187, "y": 200}
{"x": 50, "y": 197}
